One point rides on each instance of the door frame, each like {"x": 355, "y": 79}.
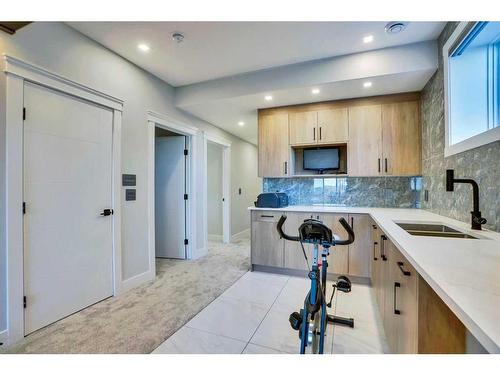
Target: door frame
{"x": 166, "y": 122}
{"x": 17, "y": 72}
{"x": 226, "y": 186}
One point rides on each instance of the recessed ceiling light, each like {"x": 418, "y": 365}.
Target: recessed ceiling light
{"x": 315, "y": 91}
{"x": 367, "y": 84}
{"x": 143, "y": 47}
{"x": 241, "y": 123}
{"x": 268, "y": 97}
{"x": 368, "y": 39}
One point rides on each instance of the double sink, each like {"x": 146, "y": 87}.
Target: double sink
{"x": 433, "y": 230}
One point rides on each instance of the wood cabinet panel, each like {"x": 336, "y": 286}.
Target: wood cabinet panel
{"x": 365, "y": 141}
{"x": 266, "y": 245}
{"x": 401, "y": 137}
{"x": 338, "y": 260}
{"x": 333, "y": 126}
{"x": 274, "y": 148}
{"x": 360, "y": 249}
{"x": 294, "y": 257}
{"x": 303, "y": 128}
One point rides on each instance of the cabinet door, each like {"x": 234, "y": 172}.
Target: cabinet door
{"x": 376, "y": 262}
{"x": 274, "y": 150}
{"x": 389, "y": 289}
{"x": 364, "y": 151}
{"x": 360, "y": 250}
{"x": 338, "y": 260}
{"x": 294, "y": 257}
{"x": 402, "y": 138}
{"x": 303, "y": 127}
{"x": 333, "y": 126}
{"x": 267, "y": 246}
{"x": 406, "y": 303}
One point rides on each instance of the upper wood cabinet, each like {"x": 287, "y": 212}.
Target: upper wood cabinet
{"x": 333, "y": 126}
{"x": 364, "y": 151}
{"x": 303, "y": 127}
{"x": 325, "y": 127}
{"x": 401, "y": 137}
{"x": 274, "y": 148}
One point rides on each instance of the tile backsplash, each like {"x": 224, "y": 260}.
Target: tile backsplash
{"x": 349, "y": 191}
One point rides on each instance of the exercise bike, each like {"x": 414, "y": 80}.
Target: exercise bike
{"x": 313, "y": 318}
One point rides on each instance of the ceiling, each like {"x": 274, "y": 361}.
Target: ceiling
{"x": 222, "y": 70}
{"x": 212, "y": 50}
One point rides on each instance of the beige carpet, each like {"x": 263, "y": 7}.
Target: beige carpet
{"x": 141, "y": 319}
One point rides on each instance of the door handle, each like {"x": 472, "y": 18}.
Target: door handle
{"x": 107, "y": 212}
{"x": 396, "y": 285}
{"x": 406, "y": 273}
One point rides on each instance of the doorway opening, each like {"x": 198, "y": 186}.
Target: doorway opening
{"x": 171, "y": 195}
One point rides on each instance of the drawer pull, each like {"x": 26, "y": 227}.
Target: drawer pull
{"x": 396, "y": 285}
{"x": 406, "y": 273}
{"x": 267, "y": 216}
{"x": 374, "y": 254}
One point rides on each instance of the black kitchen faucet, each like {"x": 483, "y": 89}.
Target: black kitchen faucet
{"x": 476, "y": 219}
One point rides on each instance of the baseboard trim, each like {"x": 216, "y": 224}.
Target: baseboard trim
{"x": 239, "y": 235}
{"x": 4, "y": 338}
{"x": 215, "y": 237}
{"x": 137, "y": 280}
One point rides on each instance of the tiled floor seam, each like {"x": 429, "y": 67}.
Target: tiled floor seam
{"x": 256, "y": 329}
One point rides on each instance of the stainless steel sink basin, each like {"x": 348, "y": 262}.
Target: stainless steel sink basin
{"x": 433, "y": 230}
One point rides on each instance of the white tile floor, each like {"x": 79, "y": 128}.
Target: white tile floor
{"x": 251, "y": 317}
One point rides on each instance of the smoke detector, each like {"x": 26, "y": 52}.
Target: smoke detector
{"x": 178, "y": 37}
{"x": 395, "y": 27}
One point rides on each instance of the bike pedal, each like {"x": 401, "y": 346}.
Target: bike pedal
{"x": 295, "y": 320}
{"x": 344, "y": 284}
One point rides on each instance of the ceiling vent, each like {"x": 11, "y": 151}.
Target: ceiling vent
{"x": 395, "y": 27}
{"x": 178, "y": 37}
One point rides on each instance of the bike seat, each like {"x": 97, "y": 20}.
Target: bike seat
{"x": 314, "y": 231}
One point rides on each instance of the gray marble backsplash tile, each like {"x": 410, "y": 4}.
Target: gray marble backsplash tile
{"x": 349, "y": 191}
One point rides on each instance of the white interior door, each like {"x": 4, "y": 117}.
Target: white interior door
{"x": 170, "y": 206}
{"x": 68, "y": 249}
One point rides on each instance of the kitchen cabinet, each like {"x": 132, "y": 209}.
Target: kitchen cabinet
{"x": 303, "y": 127}
{"x": 274, "y": 149}
{"x": 360, "y": 250}
{"x": 401, "y": 138}
{"x": 294, "y": 257}
{"x": 338, "y": 260}
{"x": 267, "y": 246}
{"x": 333, "y": 126}
{"x": 364, "y": 150}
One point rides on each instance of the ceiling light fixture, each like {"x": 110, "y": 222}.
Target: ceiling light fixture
{"x": 368, "y": 39}
{"x": 367, "y": 84}
{"x": 143, "y": 47}
{"x": 241, "y": 123}
{"x": 315, "y": 91}
{"x": 268, "y": 97}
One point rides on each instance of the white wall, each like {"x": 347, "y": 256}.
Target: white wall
{"x": 62, "y": 50}
{"x": 214, "y": 189}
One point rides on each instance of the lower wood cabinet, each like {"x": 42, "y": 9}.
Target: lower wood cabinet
{"x": 294, "y": 257}
{"x": 267, "y": 246}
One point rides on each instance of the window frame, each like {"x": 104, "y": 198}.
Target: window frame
{"x": 486, "y": 137}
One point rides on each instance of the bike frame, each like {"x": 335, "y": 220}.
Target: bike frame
{"x": 318, "y": 285}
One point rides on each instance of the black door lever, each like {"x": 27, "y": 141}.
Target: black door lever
{"x": 107, "y": 212}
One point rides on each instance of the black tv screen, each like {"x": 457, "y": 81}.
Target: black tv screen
{"x": 320, "y": 159}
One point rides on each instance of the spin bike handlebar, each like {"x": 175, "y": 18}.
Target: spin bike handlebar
{"x": 342, "y": 221}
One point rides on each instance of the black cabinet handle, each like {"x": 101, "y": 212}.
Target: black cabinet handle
{"x": 406, "y": 273}
{"x": 396, "y": 285}
{"x": 374, "y": 254}
{"x": 385, "y": 165}
{"x": 320, "y": 133}
{"x": 267, "y": 216}
{"x": 374, "y": 226}
{"x": 314, "y": 134}
{"x": 379, "y": 165}
{"x": 352, "y": 223}
{"x": 383, "y": 238}
{"x": 286, "y": 167}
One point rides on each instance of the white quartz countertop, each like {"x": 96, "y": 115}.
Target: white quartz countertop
{"x": 465, "y": 273}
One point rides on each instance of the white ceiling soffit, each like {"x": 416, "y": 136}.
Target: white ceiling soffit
{"x": 227, "y": 101}
{"x": 212, "y": 50}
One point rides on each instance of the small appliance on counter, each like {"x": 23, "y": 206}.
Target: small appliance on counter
{"x": 272, "y": 200}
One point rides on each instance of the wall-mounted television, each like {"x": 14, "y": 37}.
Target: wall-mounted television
{"x": 321, "y": 159}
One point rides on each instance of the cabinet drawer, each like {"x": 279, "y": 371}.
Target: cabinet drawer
{"x": 269, "y": 216}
